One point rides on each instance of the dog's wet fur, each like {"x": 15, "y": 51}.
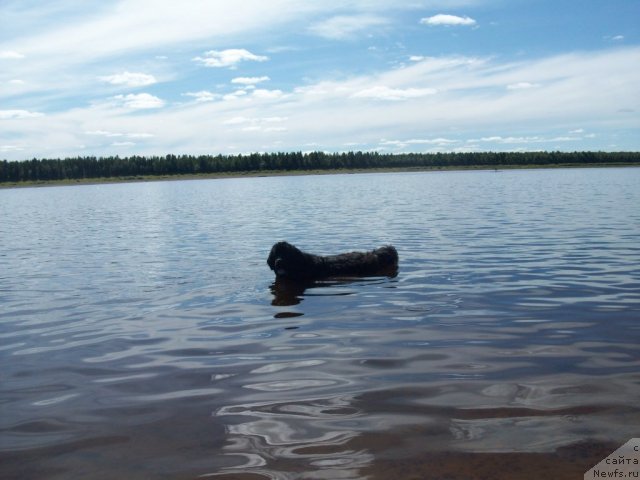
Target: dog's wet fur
{"x": 288, "y": 261}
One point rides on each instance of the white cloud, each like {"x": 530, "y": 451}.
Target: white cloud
{"x": 139, "y": 101}
{"x": 444, "y": 19}
{"x": 123, "y": 144}
{"x": 129, "y": 79}
{"x": 274, "y": 119}
{"x": 577, "y": 131}
{"x": 261, "y": 128}
{"x": 418, "y": 141}
{"x": 10, "y": 55}
{"x": 10, "y": 148}
{"x": 508, "y": 140}
{"x": 250, "y": 80}
{"x": 346, "y": 26}
{"x": 203, "y": 96}
{"x": 523, "y": 140}
{"x": 522, "y": 86}
{"x": 18, "y": 114}
{"x": 234, "y": 95}
{"x": 108, "y": 134}
{"x": 386, "y": 93}
{"x": 139, "y": 135}
{"x": 228, "y": 58}
{"x": 103, "y": 133}
{"x": 264, "y": 94}
{"x": 237, "y": 121}
{"x": 258, "y": 124}
{"x": 563, "y": 139}
{"x": 243, "y": 120}
{"x": 414, "y": 144}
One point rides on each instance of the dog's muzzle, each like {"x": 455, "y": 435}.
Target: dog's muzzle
{"x": 278, "y": 267}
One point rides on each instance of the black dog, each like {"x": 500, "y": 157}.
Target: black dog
{"x": 290, "y": 262}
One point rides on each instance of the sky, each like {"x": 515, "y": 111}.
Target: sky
{"x": 158, "y": 77}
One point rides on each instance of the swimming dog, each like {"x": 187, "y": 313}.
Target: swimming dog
{"x": 288, "y": 261}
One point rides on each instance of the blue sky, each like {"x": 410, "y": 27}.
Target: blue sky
{"x": 206, "y": 77}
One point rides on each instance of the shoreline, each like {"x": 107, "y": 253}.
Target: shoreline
{"x": 288, "y": 173}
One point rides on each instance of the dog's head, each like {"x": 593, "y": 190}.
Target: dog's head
{"x": 387, "y": 256}
{"x": 287, "y": 261}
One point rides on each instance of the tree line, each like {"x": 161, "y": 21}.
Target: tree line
{"x": 76, "y": 168}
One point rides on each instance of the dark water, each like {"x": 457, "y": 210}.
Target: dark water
{"x": 141, "y": 334}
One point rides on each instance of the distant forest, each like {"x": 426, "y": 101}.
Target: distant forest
{"x": 137, "y": 166}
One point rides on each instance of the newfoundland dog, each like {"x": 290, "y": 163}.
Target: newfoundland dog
{"x": 291, "y": 263}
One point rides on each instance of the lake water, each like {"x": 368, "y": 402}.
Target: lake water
{"x": 142, "y": 335}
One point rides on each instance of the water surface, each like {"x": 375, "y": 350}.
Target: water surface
{"x": 142, "y": 334}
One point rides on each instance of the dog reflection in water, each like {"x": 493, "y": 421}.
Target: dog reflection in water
{"x": 297, "y": 270}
